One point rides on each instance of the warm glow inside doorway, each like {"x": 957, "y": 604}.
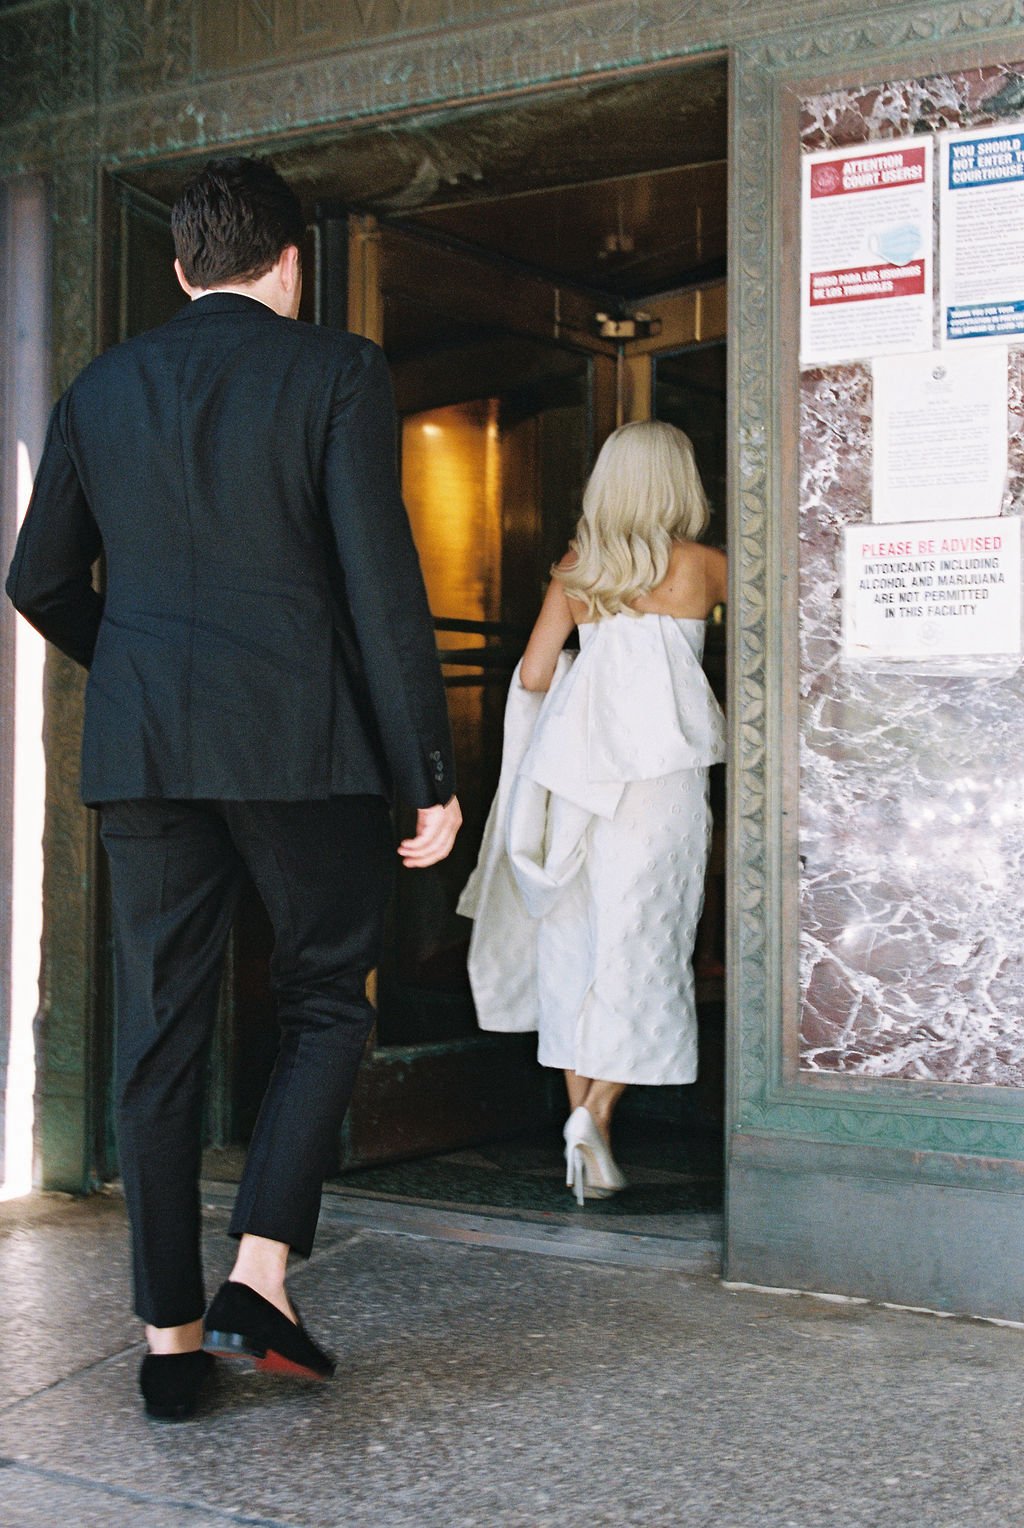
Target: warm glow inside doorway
{"x": 451, "y": 482}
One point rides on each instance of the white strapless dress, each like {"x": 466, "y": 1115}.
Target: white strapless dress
{"x": 591, "y": 875}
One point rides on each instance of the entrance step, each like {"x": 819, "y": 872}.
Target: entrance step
{"x": 694, "y": 1249}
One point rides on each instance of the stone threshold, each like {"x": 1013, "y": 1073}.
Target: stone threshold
{"x": 698, "y": 1250}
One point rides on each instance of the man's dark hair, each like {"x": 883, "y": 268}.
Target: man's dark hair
{"x": 232, "y": 221}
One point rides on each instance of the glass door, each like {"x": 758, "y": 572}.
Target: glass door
{"x": 495, "y": 378}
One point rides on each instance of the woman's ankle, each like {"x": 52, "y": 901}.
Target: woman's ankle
{"x": 603, "y": 1123}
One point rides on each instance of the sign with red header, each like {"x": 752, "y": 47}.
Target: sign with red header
{"x": 866, "y": 252}
{"x": 933, "y": 591}
{"x": 867, "y": 283}
{"x": 837, "y": 176}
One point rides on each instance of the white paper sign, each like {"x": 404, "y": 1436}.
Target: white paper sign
{"x": 932, "y": 590}
{"x": 940, "y": 435}
{"x": 981, "y": 200}
{"x": 866, "y": 251}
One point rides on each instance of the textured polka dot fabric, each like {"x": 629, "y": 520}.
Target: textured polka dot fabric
{"x": 614, "y": 974}
{"x": 635, "y": 705}
{"x": 591, "y": 875}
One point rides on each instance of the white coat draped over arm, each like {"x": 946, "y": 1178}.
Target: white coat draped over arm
{"x": 503, "y": 947}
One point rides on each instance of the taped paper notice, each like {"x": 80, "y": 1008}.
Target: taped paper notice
{"x": 866, "y": 252}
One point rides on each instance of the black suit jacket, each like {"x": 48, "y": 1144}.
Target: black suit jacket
{"x": 263, "y": 633}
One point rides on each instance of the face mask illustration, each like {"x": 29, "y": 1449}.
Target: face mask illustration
{"x": 896, "y": 245}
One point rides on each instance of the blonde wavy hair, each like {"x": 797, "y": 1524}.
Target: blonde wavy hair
{"x": 644, "y": 493}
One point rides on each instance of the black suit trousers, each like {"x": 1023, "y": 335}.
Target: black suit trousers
{"x": 324, "y": 872}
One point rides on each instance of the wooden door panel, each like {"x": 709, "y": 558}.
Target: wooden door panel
{"x": 476, "y": 290}
{"x": 415, "y": 1100}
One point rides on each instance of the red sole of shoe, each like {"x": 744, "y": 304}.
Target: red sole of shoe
{"x": 268, "y": 1363}
{"x": 275, "y": 1363}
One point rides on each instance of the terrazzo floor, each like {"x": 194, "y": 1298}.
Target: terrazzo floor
{"x": 482, "y": 1387}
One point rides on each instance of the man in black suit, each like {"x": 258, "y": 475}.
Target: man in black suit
{"x": 262, "y": 671}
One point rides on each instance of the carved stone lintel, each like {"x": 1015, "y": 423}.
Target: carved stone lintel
{"x": 165, "y": 87}
{"x": 47, "y": 58}
{"x": 145, "y": 46}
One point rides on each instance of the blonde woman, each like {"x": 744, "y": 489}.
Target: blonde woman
{"x": 613, "y": 875}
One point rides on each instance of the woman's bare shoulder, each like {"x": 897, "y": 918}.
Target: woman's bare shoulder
{"x": 697, "y": 554}
{"x": 715, "y": 560}
{"x": 710, "y": 566}
{"x": 693, "y": 584}
{"x": 576, "y": 607}
{"x": 717, "y": 565}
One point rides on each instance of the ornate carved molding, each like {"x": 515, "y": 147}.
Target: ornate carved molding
{"x": 752, "y": 411}
{"x": 155, "y": 98}
{"x": 145, "y": 46}
{"x": 903, "y": 29}
{"x": 46, "y": 60}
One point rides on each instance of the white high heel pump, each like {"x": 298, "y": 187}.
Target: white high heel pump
{"x": 590, "y": 1169}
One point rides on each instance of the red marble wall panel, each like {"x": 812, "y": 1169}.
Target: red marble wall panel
{"x": 911, "y": 785}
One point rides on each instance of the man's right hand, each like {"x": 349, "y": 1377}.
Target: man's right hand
{"x": 436, "y": 827}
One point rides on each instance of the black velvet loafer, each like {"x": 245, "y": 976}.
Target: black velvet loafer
{"x": 241, "y": 1324}
{"x": 171, "y": 1384}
